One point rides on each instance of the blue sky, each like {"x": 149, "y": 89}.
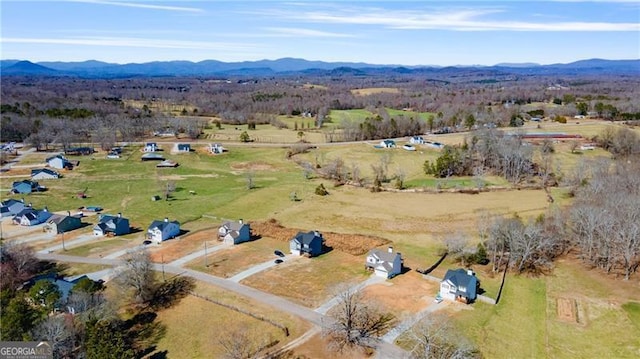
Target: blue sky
{"x": 377, "y": 32}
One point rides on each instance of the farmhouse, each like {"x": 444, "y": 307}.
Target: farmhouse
{"x": 184, "y": 147}
{"x": 216, "y": 148}
{"x": 30, "y": 216}
{"x": 416, "y": 140}
{"x": 160, "y": 231}
{"x": 26, "y": 187}
{"x": 11, "y": 207}
{"x": 111, "y": 225}
{"x": 309, "y": 244}
{"x": 59, "y": 162}
{"x": 385, "y": 264}
{"x": 44, "y": 173}
{"x": 460, "y": 285}
{"x": 388, "y": 144}
{"x": 150, "y": 147}
{"x": 234, "y": 232}
{"x": 59, "y": 223}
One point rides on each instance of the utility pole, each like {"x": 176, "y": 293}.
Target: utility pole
{"x": 63, "y": 247}
{"x": 205, "y": 254}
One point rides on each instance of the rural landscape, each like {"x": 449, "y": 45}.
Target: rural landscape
{"x": 323, "y": 213}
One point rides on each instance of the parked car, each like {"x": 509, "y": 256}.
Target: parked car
{"x": 278, "y": 253}
{"x": 278, "y": 261}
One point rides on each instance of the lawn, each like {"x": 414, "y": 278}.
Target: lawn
{"x": 99, "y": 247}
{"x": 307, "y": 281}
{"x": 228, "y": 262}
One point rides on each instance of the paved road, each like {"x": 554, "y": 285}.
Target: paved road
{"x": 384, "y": 350}
{"x": 191, "y": 256}
{"x": 81, "y": 239}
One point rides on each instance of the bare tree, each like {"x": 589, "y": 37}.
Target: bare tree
{"x": 242, "y": 343}
{"x": 137, "y": 274}
{"x": 17, "y": 264}
{"x": 59, "y": 331}
{"x": 434, "y": 337}
{"x": 355, "y": 322}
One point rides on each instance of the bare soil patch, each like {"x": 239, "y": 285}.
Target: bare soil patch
{"x": 567, "y": 309}
{"x": 354, "y": 244}
{"x": 405, "y": 294}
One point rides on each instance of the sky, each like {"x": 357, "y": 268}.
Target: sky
{"x": 376, "y": 32}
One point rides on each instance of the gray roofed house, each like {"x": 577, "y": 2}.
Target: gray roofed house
{"x": 309, "y": 243}
{"x": 60, "y": 223}
{"x": 184, "y": 147}
{"x": 59, "y": 162}
{"x": 44, "y": 173}
{"x": 26, "y": 187}
{"x": 232, "y": 232}
{"x": 30, "y": 216}
{"x": 386, "y": 264}
{"x": 111, "y": 225}
{"x": 11, "y": 207}
{"x": 460, "y": 285}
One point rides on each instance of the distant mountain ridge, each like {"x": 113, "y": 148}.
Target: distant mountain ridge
{"x": 283, "y": 66}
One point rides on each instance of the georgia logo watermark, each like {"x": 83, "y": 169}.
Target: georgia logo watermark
{"x": 25, "y": 350}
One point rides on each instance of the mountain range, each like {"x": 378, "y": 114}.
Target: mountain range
{"x": 292, "y": 66}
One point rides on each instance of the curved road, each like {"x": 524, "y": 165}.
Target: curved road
{"x": 384, "y": 350}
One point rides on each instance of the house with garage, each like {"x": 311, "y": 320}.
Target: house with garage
{"x": 60, "y": 223}
{"x": 388, "y": 144}
{"x": 385, "y": 264}
{"x": 460, "y": 285}
{"x": 309, "y": 244}
{"x": 150, "y": 147}
{"x": 60, "y": 162}
{"x": 160, "y": 231}
{"x": 26, "y": 187}
{"x": 231, "y": 232}
{"x": 11, "y": 207}
{"x": 30, "y": 216}
{"x": 416, "y": 140}
{"x": 44, "y": 174}
{"x": 109, "y": 225}
{"x": 184, "y": 148}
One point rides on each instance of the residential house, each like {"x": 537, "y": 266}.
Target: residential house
{"x": 150, "y": 147}
{"x": 460, "y": 285}
{"x": 310, "y": 244}
{"x": 216, "y": 148}
{"x": 416, "y": 140}
{"x": 64, "y": 285}
{"x": 11, "y": 207}
{"x": 234, "y": 232}
{"x": 184, "y": 148}
{"x": 44, "y": 173}
{"x": 60, "y": 162}
{"x": 385, "y": 264}
{"x": 160, "y": 231}
{"x": 111, "y": 225}
{"x": 60, "y": 223}
{"x": 30, "y": 216}
{"x": 26, "y": 187}
{"x": 388, "y": 144}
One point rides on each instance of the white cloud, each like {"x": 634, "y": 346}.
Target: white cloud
{"x": 298, "y": 32}
{"x": 142, "y": 6}
{"x": 453, "y": 20}
{"x": 134, "y": 42}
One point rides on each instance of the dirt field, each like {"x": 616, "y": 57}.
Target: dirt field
{"x": 403, "y": 295}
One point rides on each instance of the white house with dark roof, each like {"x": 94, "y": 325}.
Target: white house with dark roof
{"x": 30, "y": 216}
{"x": 231, "y": 232}
{"x": 460, "y": 285}
{"x": 11, "y": 207}
{"x": 416, "y": 140}
{"x": 310, "y": 244}
{"x": 59, "y": 161}
{"x": 388, "y": 144}
{"x": 385, "y": 264}
{"x": 44, "y": 173}
{"x": 160, "y": 231}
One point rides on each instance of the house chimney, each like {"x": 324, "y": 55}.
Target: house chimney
{"x": 166, "y": 219}
{"x": 470, "y": 272}
{"x": 317, "y": 234}
{"x": 390, "y": 249}
{"x": 240, "y": 221}
{"x": 68, "y": 213}
{"x": 45, "y": 209}
{"x": 22, "y": 200}
{"x": 119, "y": 215}
{"x": 29, "y": 204}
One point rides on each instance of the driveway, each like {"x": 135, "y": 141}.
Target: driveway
{"x": 259, "y": 268}
{"x": 191, "y": 256}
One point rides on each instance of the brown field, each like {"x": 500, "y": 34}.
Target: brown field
{"x": 374, "y": 90}
{"x": 404, "y": 295}
{"x": 228, "y": 262}
{"x": 176, "y": 248}
{"x": 567, "y": 309}
{"x": 310, "y": 281}
{"x": 353, "y": 244}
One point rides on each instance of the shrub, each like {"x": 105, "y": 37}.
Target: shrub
{"x": 321, "y": 191}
